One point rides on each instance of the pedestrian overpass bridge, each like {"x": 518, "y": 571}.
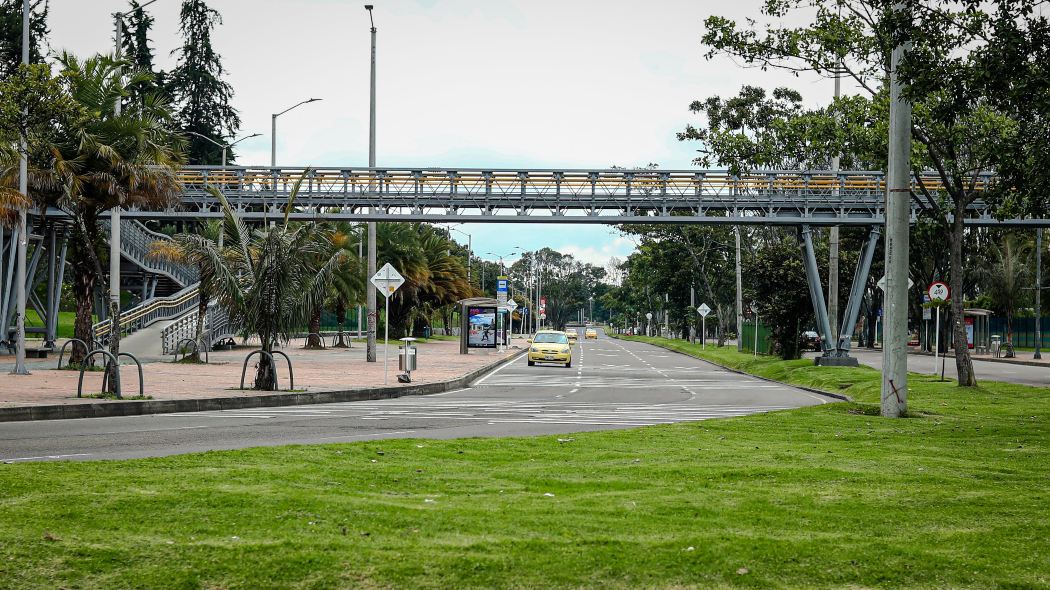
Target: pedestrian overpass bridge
{"x": 457, "y": 195}
{"x": 607, "y": 196}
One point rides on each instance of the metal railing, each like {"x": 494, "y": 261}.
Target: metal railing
{"x": 150, "y": 311}
{"x": 136, "y": 243}
{"x": 217, "y": 322}
{"x": 544, "y": 196}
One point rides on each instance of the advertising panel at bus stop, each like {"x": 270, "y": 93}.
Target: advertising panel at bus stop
{"x": 482, "y": 327}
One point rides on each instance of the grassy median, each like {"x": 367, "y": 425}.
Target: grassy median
{"x": 831, "y": 496}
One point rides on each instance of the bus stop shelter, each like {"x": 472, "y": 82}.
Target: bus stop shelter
{"x": 479, "y": 324}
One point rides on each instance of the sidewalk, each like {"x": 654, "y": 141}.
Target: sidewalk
{"x": 986, "y": 369}
{"x": 336, "y": 369}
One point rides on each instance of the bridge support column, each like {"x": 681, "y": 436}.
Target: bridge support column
{"x": 816, "y": 292}
{"x": 856, "y": 294}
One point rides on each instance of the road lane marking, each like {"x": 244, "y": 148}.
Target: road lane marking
{"x": 45, "y": 457}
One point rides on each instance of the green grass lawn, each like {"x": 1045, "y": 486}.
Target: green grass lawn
{"x": 827, "y": 496}
{"x": 65, "y": 322}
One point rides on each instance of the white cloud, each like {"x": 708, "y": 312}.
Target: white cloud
{"x": 620, "y": 247}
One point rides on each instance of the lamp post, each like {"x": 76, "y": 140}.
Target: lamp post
{"x": 23, "y": 226}
{"x": 114, "y": 213}
{"x": 224, "y": 146}
{"x": 273, "y": 129}
{"x": 370, "y": 353}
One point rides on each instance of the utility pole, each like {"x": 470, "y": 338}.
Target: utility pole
{"x": 692, "y": 308}
{"x": 739, "y": 297}
{"x": 894, "y": 400}
{"x": 370, "y": 354}
{"x": 23, "y": 224}
{"x": 1038, "y": 290}
{"x": 114, "y": 244}
{"x": 833, "y": 244}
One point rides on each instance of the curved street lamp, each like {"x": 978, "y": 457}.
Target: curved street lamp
{"x": 223, "y": 146}
{"x": 273, "y": 129}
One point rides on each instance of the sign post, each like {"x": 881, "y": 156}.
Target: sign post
{"x": 387, "y": 280}
{"x": 704, "y": 310}
{"x": 648, "y": 323}
{"x": 511, "y": 306}
{"x": 938, "y": 291}
{"x": 502, "y": 285}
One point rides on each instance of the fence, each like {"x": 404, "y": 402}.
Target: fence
{"x": 747, "y": 339}
{"x": 1024, "y": 331}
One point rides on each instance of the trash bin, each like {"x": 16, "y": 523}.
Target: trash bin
{"x": 406, "y": 360}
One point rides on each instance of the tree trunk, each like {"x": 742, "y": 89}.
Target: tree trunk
{"x": 963, "y": 363}
{"x": 265, "y": 377}
{"x": 202, "y": 316}
{"x": 314, "y": 339}
{"x": 340, "y": 318}
{"x": 86, "y": 270}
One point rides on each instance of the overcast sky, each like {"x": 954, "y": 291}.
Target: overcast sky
{"x": 463, "y": 83}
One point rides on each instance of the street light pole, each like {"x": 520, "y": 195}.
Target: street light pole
{"x": 1038, "y": 292}
{"x": 224, "y": 146}
{"x": 273, "y": 129}
{"x": 370, "y": 354}
{"x": 23, "y": 224}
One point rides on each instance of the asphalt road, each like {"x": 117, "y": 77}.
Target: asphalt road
{"x": 612, "y": 384}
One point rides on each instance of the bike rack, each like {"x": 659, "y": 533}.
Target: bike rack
{"x": 83, "y": 365}
{"x": 105, "y": 377}
{"x": 196, "y": 349}
{"x": 291, "y": 376}
{"x": 338, "y": 341}
{"x": 244, "y": 367}
{"x": 320, "y": 339}
{"x": 62, "y": 351}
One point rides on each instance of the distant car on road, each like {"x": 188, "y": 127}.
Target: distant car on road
{"x": 590, "y": 334}
{"x": 811, "y": 339}
{"x": 573, "y": 336}
{"x": 550, "y": 347}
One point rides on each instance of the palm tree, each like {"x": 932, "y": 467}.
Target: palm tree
{"x": 202, "y": 251}
{"x": 107, "y": 160}
{"x": 274, "y": 277}
{"x": 348, "y": 282}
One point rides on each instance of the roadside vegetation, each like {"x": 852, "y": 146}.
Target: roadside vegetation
{"x": 826, "y": 496}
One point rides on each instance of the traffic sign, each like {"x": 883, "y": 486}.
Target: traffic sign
{"x": 512, "y": 305}
{"x": 927, "y": 314}
{"x": 649, "y": 316}
{"x": 882, "y": 283}
{"x": 704, "y": 309}
{"x": 387, "y": 280}
{"x": 502, "y": 284}
{"x": 939, "y": 291}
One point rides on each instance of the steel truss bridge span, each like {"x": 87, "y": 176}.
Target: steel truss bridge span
{"x": 550, "y": 196}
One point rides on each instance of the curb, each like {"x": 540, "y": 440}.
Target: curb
{"x": 838, "y": 396}
{"x": 989, "y": 360}
{"x": 169, "y": 406}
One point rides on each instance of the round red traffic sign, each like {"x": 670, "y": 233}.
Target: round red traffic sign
{"x": 939, "y": 291}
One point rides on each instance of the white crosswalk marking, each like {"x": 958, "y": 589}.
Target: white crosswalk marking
{"x": 503, "y": 412}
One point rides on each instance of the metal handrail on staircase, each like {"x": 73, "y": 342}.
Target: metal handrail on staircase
{"x": 217, "y": 321}
{"x": 136, "y": 242}
{"x": 150, "y": 311}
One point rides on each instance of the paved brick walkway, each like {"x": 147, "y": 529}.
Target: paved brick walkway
{"x": 315, "y": 370}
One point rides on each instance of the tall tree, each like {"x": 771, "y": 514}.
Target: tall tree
{"x": 11, "y": 34}
{"x": 196, "y": 84}
{"x": 962, "y": 53}
{"x": 137, "y": 52}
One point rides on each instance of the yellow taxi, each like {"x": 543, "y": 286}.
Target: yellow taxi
{"x": 573, "y": 336}
{"x": 550, "y": 347}
{"x": 591, "y": 333}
